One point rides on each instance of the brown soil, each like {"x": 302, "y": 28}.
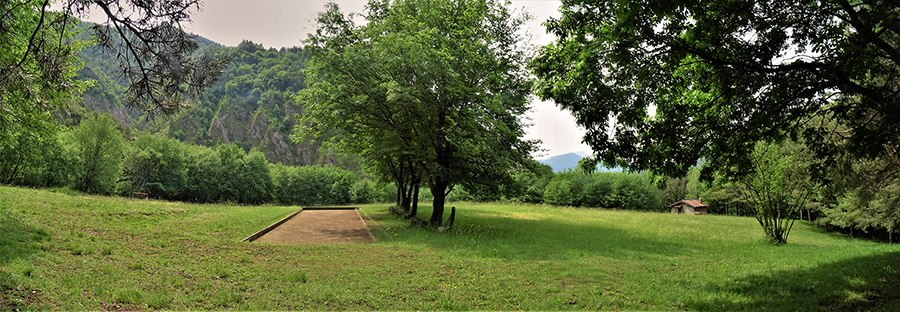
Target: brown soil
{"x": 320, "y": 227}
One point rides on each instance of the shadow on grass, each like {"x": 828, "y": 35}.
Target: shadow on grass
{"x": 499, "y": 236}
{"x": 870, "y": 283}
{"x": 17, "y": 241}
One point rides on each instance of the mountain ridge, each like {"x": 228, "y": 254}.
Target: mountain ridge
{"x": 569, "y": 161}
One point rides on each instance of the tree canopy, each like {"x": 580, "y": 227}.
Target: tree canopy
{"x": 38, "y": 62}
{"x": 425, "y": 91}
{"x": 154, "y": 52}
{"x": 662, "y": 84}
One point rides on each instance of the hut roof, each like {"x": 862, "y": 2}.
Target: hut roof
{"x": 692, "y": 203}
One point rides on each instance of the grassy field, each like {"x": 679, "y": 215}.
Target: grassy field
{"x": 77, "y": 252}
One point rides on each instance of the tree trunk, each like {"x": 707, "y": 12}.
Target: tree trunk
{"x": 399, "y": 194}
{"x": 439, "y": 191}
{"x": 415, "y": 201}
{"x": 407, "y": 196}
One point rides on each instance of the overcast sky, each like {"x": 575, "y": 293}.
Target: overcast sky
{"x": 284, "y": 23}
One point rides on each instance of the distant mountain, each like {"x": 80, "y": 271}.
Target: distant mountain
{"x": 569, "y": 161}
{"x": 563, "y": 162}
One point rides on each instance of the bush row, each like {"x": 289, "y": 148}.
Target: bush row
{"x": 95, "y": 157}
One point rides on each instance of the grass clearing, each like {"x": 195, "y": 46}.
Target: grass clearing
{"x": 78, "y": 252}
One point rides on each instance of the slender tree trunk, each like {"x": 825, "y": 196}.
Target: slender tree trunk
{"x": 415, "y": 200}
{"x": 399, "y": 193}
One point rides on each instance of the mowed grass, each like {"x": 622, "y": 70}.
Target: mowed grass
{"x": 79, "y": 252}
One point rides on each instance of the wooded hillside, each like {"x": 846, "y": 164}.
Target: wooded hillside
{"x": 250, "y": 105}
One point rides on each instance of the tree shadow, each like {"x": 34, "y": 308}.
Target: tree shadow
{"x": 870, "y": 283}
{"x": 18, "y": 241}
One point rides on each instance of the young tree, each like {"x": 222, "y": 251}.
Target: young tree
{"x": 779, "y": 186}
{"x": 97, "y": 145}
{"x": 436, "y": 87}
{"x": 661, "y": 84}
{"x": 157, "y": 165}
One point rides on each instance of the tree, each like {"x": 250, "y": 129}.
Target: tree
{"x": 864, "y": 193}
{"x": 430, "y": 91}
{"x": 587, "y": 164}
{"x": 98, "y": 146}
{"x": 157, "y": 165}
{"x": 37, "y": 63}
{"x": 154, "y": 52}
{"x": 676, "y": 189}
{"x": 779, "y": 186}
{"x": 661, "y": 84}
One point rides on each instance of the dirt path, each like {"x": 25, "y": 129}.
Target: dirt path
{"x": 320, "y": 227}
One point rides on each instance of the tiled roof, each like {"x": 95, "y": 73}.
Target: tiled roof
{"x": 692, "y": 203}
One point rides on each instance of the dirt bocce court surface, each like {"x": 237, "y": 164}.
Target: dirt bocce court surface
{"x": 320, "y": 226}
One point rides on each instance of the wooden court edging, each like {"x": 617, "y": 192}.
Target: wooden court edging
{"x": 330, "y": 208}
{"x": 262, "y": 232}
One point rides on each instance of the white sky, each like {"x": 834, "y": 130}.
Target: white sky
{"x": 284, "y": 23}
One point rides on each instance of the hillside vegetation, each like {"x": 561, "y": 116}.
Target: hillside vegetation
{"x": 78, "y": 252}
{"x": 251, "y": 105}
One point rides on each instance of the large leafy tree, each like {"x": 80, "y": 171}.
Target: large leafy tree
{"x": 662, "y": 84}
{"x": 427, "y": 91}
{"x": 154, "y": 52}
{"x": 37, "y": 63}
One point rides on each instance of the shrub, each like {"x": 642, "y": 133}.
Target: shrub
{"x": 559, "y": 192}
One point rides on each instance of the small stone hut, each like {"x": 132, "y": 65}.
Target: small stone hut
{"x": 689, "y": 207}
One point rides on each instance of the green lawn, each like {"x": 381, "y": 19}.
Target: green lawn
{"x": 80, "y": 252}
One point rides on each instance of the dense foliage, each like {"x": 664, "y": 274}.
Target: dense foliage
{"x": 153, "y": 52}
{"x": 662, "y": 84}
{"x": 249, "y": 106}
{"x": 424, "y": 91}
{"x": 37, "y": 63}
{"x": 94, "y": 157}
